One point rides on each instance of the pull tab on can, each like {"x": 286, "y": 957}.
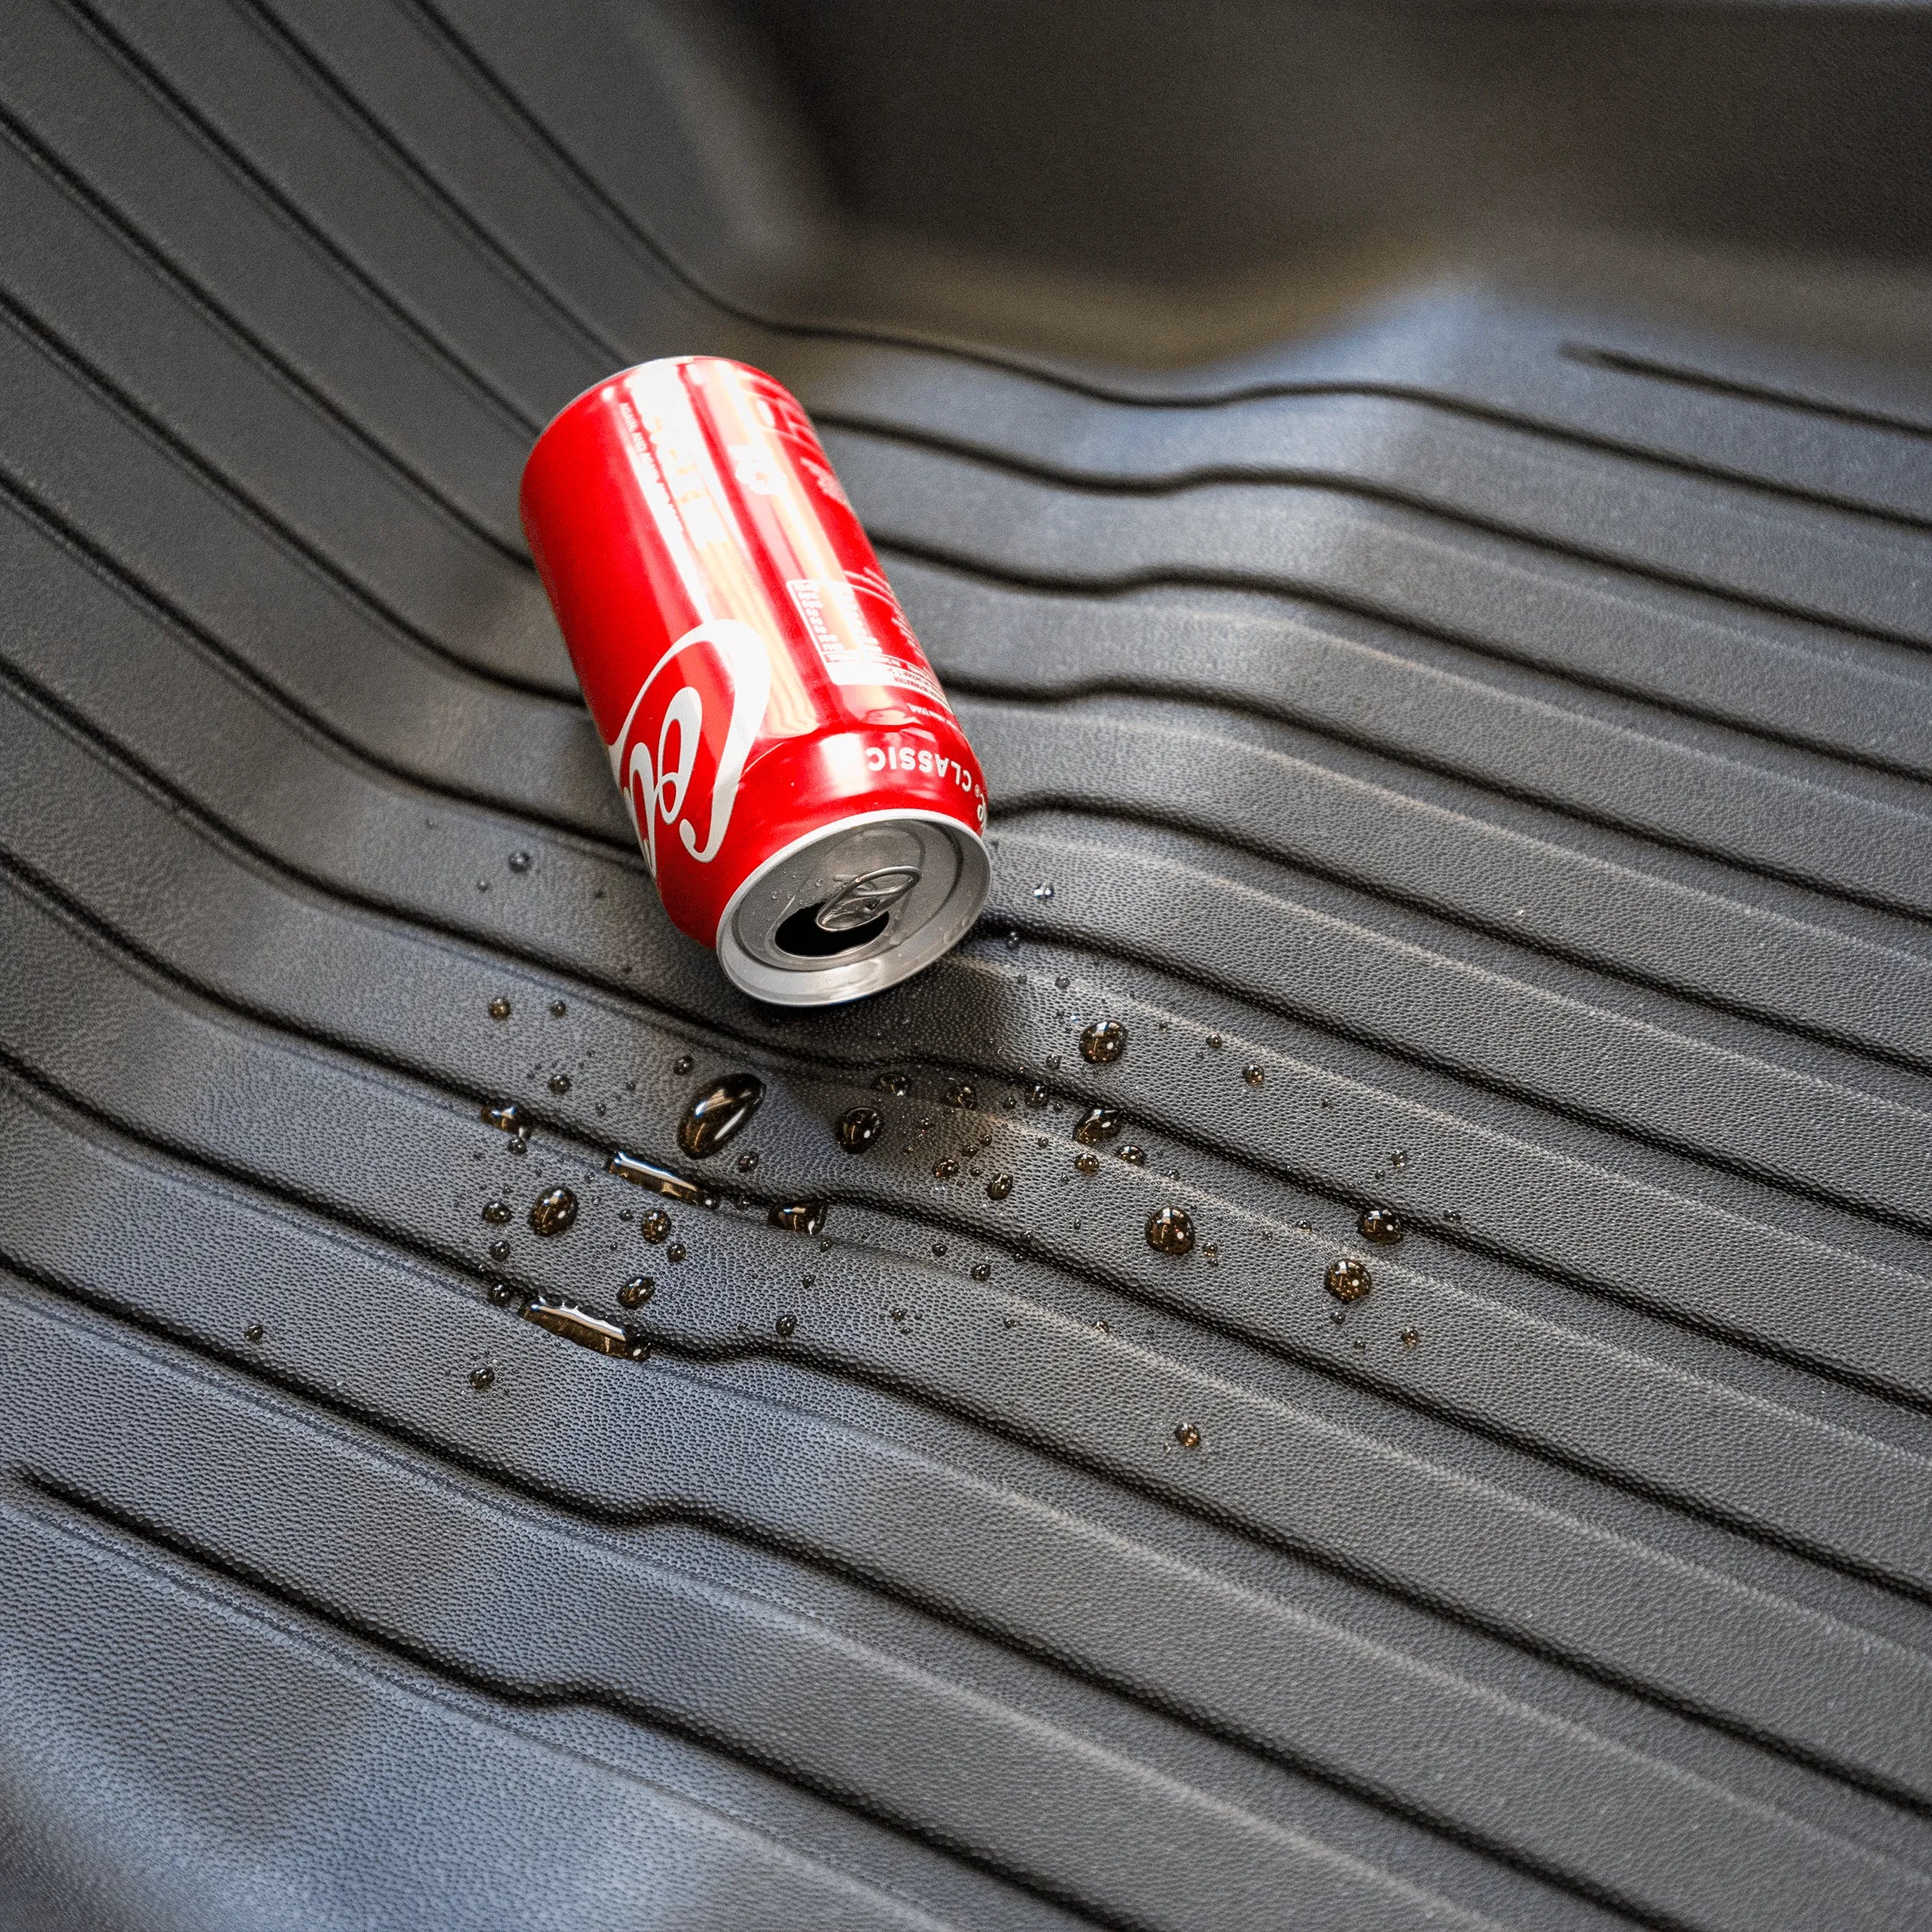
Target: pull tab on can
{"x": 805, "y": 795}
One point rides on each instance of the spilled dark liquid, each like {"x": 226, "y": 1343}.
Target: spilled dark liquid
{"x": 587, "y": 1330}
{"x": 960, "y": 1095}
{"x": 1103, "y": 1042}
{"x": 482, "y": 1376}
{"x": 1088, "y": 1163}
{"x": 859, "y": 1127}
{"x": 896, "y": 1084}
{"x": 1252, "y": 1075}
{"x": 1409, "y": 1338}
{"x": 982, "y": 1271}
{"x": 1034, "y": 1094}
{"x": 558, "y": 1009}
{"x": 254, "y": 1332}
{"x": 719, "y": 1114}
{"x": 683, "y": 1063}
{"x": 554, "y": 1211}
{"x": 1380, "y": 1224}
{"x": 653, "y": 1224}
{"x": 1170, "y": 1230}
{"x": 636, "y": 1292}
{"x": 999, "y": 1187}
{"x": 1098, "y": 1125}
{"x": 805, "y": 1217}
{"x": 1138, "y": 1156}
{"x": 1348, "y": 1279}
{"x": 499, "y": 1251}
{"x": 520, "y": 862}
{"x": 500, "y": 1008}
{"x": 642, "y": 1173}
{"x": 944, "y": 1170}
{"x": 787, "y": 1326}
{"x": 506, "y": 1115}
{"x": 675, "y": 1252}
{"x": 748, "y": 1161}
{"x": 559, "y": 1083}
{"x": 497, "y": 1212}
{"x": 501, "y": 1293}
{"x": 1188, "y": 1436}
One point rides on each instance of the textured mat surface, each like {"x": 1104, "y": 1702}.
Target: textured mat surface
{"x": 1480, "y": 752}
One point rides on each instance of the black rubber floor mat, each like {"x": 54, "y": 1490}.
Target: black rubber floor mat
{"x": 1479, "y": 753}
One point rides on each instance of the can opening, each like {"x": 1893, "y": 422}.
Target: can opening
{"x": 802, "y": 934}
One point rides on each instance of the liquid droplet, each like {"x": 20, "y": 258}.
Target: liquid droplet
{"x": 1013, "y": 942}
{"x": 1252, "y": 1075}
{"x": 675, "y": 1252}
{"x": 501, "y": 1293}
{"x": 558, "y": 1009}
{"x": 1043, "y": 892}
{"x": 1034, "y": 1094}
{"x": 482, "y": 1376}
{"x": 787, "y": 1326}
{"x": 939, "y": 1249}
{"x": 1088, "y": 1163}
{"x": 1380, "y": 1224}
{"x": 1103, "y": 1042}
{"x": 999, "y": 1187}
{"x": 500, "y": 1008}
{"x": 653, "y": 1224}
{"x": 1409, "y": 1338}
{"x": 1137, "y": 1156}
{"x": 642, "y": 1172}
{"x": 520, "y": 862}
{"x": 1397, "y": 1159}
{"x": 1170, "y": 1230}
{"x": 499, "y": 1251}
{"x": 586, "y": 1329}
{"x": 805, "y": 1217}
{"x": 982, "y": 1271}
{"x": 944, "y": 1170}
{"x": 683, "y": 1063}
{"x": 1097, "y": 1125}
{"x": 559, "y": 1083}
{"x": 553, "y": 1211}
{"x": 254, "y": 1332}
{"x": 748, "y": 1162}
{"x": 497, "y": 1212}
{"x": 859, "y": 1127}
{"x": 896, "y": 1084}
{"x": 505, "y": 1114}
{"x": 719, "y": 1114}
{"x": 1188, "y": 1436}
{"x": 1348, "y": 1279}
{"x": 960, "y": 1095}
{"x": 636, "y": 1292}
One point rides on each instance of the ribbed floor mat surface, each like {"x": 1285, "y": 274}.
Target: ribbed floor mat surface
{"x": 1481, "y": 757}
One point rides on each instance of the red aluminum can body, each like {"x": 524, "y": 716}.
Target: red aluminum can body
{"x": 803, "y": 793}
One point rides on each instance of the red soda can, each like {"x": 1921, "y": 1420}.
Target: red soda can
{"x": 805, "y": 798}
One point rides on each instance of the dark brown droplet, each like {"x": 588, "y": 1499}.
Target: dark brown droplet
{"x": 653, "y": 1224}
{"x": 1380, "y": 1224}
{"x": 1087, "y": 1163}
{"x": 960, "y": 1095}
{"x": 1103, "y": 1042}
{"x": 499, "y": 1251}
{"x": 999, "y": 1187}
{"x": 805, "y": 1217}
{"x": 981, "y": 1271}
{"x": 1098, "y": 1125}
{"x": 500, "y": 1008}
{"x": 559, "y": 1083}
{"x": 558, "y": 1009}
{"x": 1188, "y": 1436}
{"x": 636, "y": 1292}
{"x": 520, "y": 862}
{"x": 1137, "y": 1156}
{"x": 501, "y": 1293}
{"x": 553, "y": 1211}
{"x": 675, "y": 1251}
{"x": 673, "y": 1186}
{"x": 1398, "y": 1158}
{"x": 896, "y": 1084}
{"x": 719, "y": 1114}
{"x": 683, "y": 1063}
{"x": 1348, "y": 1279}
{"x": 482, "y": 1376}
{"x": 1170, "y": 1230}
{"x": 1409, "y": 1338}
{"x": 587, "y": 1329}
{"x": 944, "y": 1170}
{"x": 506, "y": 1115}
{"x": 1034, "y": 1094}
{"x": 1252, "y": 1075}
{"x": 748, "y": 1162}
{"x": 787, "y": 1326}
{"x": 497, "y": 1212}
{"x": 254, "y": 1332}
{"x": 939, "y": 1248}
{"x": 859, "y": 1127}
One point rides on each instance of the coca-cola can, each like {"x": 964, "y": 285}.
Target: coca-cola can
{"x": 803, "y": 793}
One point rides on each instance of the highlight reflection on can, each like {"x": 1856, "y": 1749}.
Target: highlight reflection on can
{"x": 803, "y": 794}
